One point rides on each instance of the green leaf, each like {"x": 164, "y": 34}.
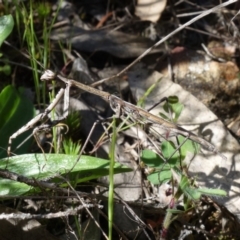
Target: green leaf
{"x": 192, "y": 193}
{"x": 71, "y": 147}
{"x": 160, "y": 177}
{"x": 189, "y": 191}
{"x": 173, "y": 100}
{"x": 15, "y": 111}
{"x": 6, "y": 27}
{"x": 212, "y": 192}
{"x": 151, "y": 159}
{"x": 164, "y": 116}
{"x": 173, "y": 105}
{"x": 37, "y": 167}
{"x": 174, "y": 211}
{"x": 187, "y": 146}
{"x": 169, "y": 152}
{"x": 6, "y": 69}
{"x": 184, "y": 183}
{"x": 162, "y": 172}
{"x": 141, "y": 101}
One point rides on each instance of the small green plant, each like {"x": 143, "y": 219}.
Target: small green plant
{"x": 172, "y": 154}
{"x": 13, "y": 102}
{"x": 43, "y": 9}
{"x": 70, "y": 147}
{"x": 35, "y": 16}
{"x": 173, "y": 108}
{"x": 170, "y": 167}
{"x": 141, "y": 101}
{"x": 70, "y": 142}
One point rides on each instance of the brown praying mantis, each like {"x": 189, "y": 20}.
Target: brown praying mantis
{"x": 119, "y": 106}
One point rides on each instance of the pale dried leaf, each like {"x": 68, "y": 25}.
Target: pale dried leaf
{"x": 150, "y": 10}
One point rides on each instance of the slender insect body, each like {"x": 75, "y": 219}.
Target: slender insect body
{"x": 119, "y": 106}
